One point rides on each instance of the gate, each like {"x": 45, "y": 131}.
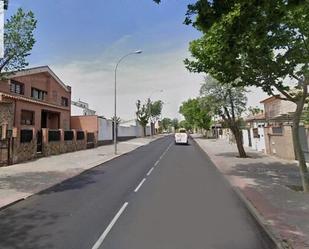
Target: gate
{"x": 4, "y": 152}
{"x": 90, "y": 140}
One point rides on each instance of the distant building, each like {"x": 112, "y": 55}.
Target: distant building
{"x": 253, "y": 134}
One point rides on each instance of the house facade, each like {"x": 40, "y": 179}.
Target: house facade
{"x": 35, "y": 98}
{"x": 278, "y": 128}
{"x": 35, "y": 110}
{"x": 253, "y": 134}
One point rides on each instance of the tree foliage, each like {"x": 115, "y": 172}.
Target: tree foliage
{"x": 196, "y": 114}
{"x": 227, "y": 102}
{"x": 18, "y": 41}
{"x": 186, "y": 125}
{"x": 256, "y": 43}
{"x": 155, "y": 109}
{"x": 142, "y": 114}
{"x": 254, "y": 110}
{"x": 175, "y": 123}
{"x": 166, "y": 123}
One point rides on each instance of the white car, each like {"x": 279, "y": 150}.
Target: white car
{"x": 181, "y": 137}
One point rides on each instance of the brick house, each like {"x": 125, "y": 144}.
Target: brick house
{"x": 35, "y": 98}
{"x": 36, "y": 106}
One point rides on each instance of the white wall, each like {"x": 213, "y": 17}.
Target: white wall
{"x": 106, "y": 130}
{"x": 258, "y": 144}
{"x": 127, "y": 131}
{"x": 245, "y": 137}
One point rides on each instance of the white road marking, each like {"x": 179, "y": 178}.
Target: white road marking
{"x": 163, "y": 154}
{"x": 139, "y": 185}
{"x": 109, "y": 227}
{"x": 149, "y": 172}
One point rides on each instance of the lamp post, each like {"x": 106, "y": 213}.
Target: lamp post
{"x": 115, "y": 96}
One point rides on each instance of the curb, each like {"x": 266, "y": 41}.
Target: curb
{"x": 279, "y": 243}
{"x": 14, "y": 202}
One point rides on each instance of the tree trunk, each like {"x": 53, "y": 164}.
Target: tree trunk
{"x": 144, "y": 131}
{"x": 297, "y": 146}
{"x": 238, "y": 137}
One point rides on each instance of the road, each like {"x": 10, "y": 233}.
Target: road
{"x": 160, "y": 196}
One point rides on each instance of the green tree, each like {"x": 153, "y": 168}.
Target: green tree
{"x": 175, "y": 124}
{"x": 196, "y": 114}
{"x": 184, "y": 124}
{"x": 18, "y": 41}
{"x": 255, "y": 110}
{"x": 142, "y": 114}
{"x": 166, "y": 123}
{"x": 257, "y": 43}
{"x": 229, "y": 103}
{"x": 155, "y": 111}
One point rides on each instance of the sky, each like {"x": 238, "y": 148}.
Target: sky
{"x": 82, "y": 41}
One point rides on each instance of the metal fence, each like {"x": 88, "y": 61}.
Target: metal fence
{"x": 54, "y": 135}
{"x": 68, "y": 135}
{"x": 26, "y": 136}
{"x": 80, "y": 135}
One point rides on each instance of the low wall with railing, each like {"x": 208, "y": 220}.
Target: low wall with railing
{"x": 56, "y": 142}
{"x": 24, "y": 146}
{"x": 28, "y": 144}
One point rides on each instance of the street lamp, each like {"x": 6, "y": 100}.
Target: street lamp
{"x": 115, "y": 96}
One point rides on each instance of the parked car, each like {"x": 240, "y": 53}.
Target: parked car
{"x": 181, "y": 137}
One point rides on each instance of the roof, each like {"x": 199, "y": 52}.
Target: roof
{"x": 36, "y": 70}
{"x": 256, "y": 117}
{"x": 30, "y": 100}
{"x": 270, "y": 98}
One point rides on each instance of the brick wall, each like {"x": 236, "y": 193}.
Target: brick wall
{"x": 7, "y": 114}
{"x": 59, "y": 147}
{"x": 24, "y": 151}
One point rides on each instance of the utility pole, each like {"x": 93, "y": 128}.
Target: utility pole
{"x": 3, "y": 6}
{"x": 115, "y": 97}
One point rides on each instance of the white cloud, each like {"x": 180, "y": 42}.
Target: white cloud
{"x": 139, "y": 76}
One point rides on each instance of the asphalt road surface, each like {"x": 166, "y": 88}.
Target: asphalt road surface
{"x": 160, "y": 196}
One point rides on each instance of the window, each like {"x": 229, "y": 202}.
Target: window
{"x": 256, "y": 133}
{"x": 64, "y": 101}
{"x": 27, "y": 117}
{"x": 16, "y": 87}
{"x": 38, "y": 94}
{"x": 277, "y": 130}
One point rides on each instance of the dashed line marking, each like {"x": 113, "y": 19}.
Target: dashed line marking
{"x": 109, "y": 227}
{"x": 149, "y": 172}
{"x": 156, "y": 163}
{"x": 139, "y": 185}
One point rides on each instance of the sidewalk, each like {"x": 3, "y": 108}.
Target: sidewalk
{"x": 263, "y": 182}
{"x": 22, "y": 180}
